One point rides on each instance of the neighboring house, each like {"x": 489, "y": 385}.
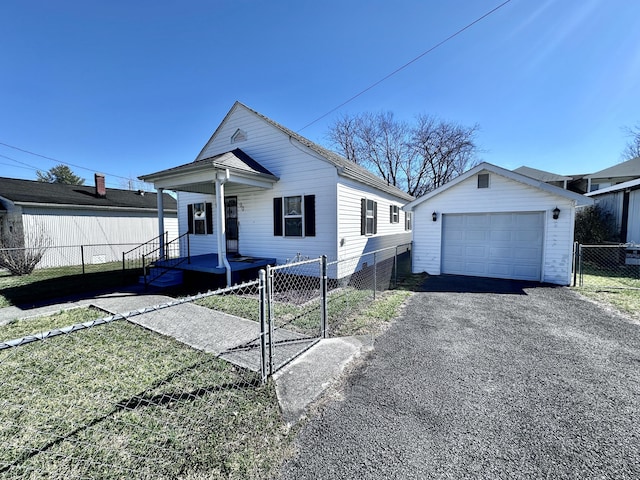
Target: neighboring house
{"x": 107, "y": 222}
{"x": 546, "y": 177}
{"x": 623, "y": 202}
{"x": 620, "y": 173}
{"x": 493, "y": 222}
{"x": 258, "y": 189}
{"x": 583, "y": 183}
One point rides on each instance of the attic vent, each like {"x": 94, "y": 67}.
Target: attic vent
{"x": 239, "y": 136}
{"x": 483, "y": 180}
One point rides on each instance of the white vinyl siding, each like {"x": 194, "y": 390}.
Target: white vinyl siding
{"x": 504, "y": 195}
{"x": 109, "y": 233}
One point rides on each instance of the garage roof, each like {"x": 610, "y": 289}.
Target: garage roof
{"x": 488, "y": 167}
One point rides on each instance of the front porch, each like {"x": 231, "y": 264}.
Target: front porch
{"x": 204, "y": 270}
{"x": 208, "y": 263}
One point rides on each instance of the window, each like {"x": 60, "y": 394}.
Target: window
{"x": 407, "y": 220}
{"x": 394, "y": 214}
{"x": 368, "y": 217}
{"x": 200, "y": 218}
{"x": 294, "y": 216}
{"x": 483, "y": 180}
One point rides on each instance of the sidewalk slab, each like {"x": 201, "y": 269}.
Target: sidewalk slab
{"x": 303, "y": 381}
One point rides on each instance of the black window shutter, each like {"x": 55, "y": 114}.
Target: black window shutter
{"x": 309, "y": 215}
{"x": 190, "y": 218}
{"x": 209, "y": 213}
{"x": 277, "y": 216}
{"x": 363, "y": 216}
{"x": 375, "y": 217}
{"x": 390, "y": 213}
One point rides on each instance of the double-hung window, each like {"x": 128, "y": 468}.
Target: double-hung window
{"x": 294, "y": 216}
{"x": 407, "y": 220}
{"x": 368, "y": 217}
{"x": 394, "y": 214}
{"x": 200, "y": 218}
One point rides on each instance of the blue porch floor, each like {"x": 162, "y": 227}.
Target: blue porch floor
{"x": 209, "y": 263}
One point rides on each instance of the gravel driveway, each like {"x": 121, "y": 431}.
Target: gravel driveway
{"x": 486, "y": 379}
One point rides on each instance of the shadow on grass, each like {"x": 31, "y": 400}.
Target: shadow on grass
{"x": 50, "y": 290}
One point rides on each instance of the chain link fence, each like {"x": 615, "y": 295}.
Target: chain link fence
{"x": 53, "y": 271}
{"x": 608, "y": 266}
{"x": 176, "y": 390}
{"x": 170, "y": 391}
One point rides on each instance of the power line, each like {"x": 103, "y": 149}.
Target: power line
{"x": 55, "y": 160}
{"x": 373, "y": 85}
{"x": 36, "y": 169}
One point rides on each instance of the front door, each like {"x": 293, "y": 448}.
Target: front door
{"x": 231, "y": 216}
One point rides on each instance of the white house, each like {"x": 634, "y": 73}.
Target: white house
{"x": 258, "y": 189}
{"x": 623, "y": 202}
{"x": 107, "y": 222}
{"x": 493, "y": 222}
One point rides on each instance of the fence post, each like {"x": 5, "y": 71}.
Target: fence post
{"x": 575, "y": 263}
{"x": 580, "y": 264}
{"x": 82, "y": 255}
{"x": 395, "y": 269}
{"x": 375, "y": 275}
{"x": 269, "y": 314}
{"x": 324, "y": 305}
{"x": 262, "y": 288}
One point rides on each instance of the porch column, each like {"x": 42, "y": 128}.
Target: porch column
{"x": 160, "y": 201}
{"x": 221, "y": 235}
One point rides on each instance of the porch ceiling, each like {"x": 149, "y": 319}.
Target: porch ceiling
{"x": 200, "y": 176}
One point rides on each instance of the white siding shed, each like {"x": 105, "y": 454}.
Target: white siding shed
{"x": 492, "y": 222}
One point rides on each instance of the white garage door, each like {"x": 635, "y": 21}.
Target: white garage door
{"x": 500, "y": 245}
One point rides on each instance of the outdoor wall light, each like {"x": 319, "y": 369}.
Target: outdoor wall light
{"x": 434, "y": 216}
{"x": 556, "y": 213}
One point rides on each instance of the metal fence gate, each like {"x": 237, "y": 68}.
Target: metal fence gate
{"x": 295, "y": 309}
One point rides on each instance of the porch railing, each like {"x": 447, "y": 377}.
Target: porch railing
{"x": 132, "y": 259}
{"x": 165, "y": 257}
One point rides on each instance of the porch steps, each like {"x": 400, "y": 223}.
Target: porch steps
{"x": 163, "y": 277}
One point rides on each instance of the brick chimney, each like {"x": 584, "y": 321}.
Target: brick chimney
{"x": 101, "y": 190}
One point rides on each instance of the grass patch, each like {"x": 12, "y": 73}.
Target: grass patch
{"x": 624, "y": 300}
{"x": 51, "y": 283}
{"x": 618, "y": 289}
{"x": 373, "y": 319}
{"x": 119, "y": 401}
{"x": 30, "y": 326}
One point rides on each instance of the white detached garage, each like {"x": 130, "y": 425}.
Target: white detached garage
{"x": 492, "y": 222}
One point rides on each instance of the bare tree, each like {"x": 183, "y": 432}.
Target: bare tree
{"x": 416, "y": 158}
{"x": 444, "y": 149}
{"x": 21, "y": 252}
{"x": 632, "y": 149}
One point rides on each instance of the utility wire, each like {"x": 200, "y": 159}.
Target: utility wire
{"x": 373, "y": 85}
{"x": 54, "y": 160}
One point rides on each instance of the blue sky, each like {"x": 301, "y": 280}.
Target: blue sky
{"x": 132, "y": 87}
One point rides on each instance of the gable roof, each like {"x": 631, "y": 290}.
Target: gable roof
{"x": 517, "y": 177}
{"x": 630, "y": 168}
{"x": 32, "y": 192}
{"x": 345, "y": 167}
{"x": 235, "y": 160}
{"x": 541, "y": 174}
{"x": 630, "y": 185}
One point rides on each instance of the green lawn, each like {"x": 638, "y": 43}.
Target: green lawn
{"x": 117, "y": 401}
{"x": 619, "y": 289}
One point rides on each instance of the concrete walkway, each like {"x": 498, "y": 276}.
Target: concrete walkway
{"x": 299, "y": 383}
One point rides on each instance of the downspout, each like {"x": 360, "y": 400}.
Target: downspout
{"x": 221, "y": 179}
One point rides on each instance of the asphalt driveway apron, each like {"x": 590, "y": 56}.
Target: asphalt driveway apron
{"x": 486, "y": 379}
